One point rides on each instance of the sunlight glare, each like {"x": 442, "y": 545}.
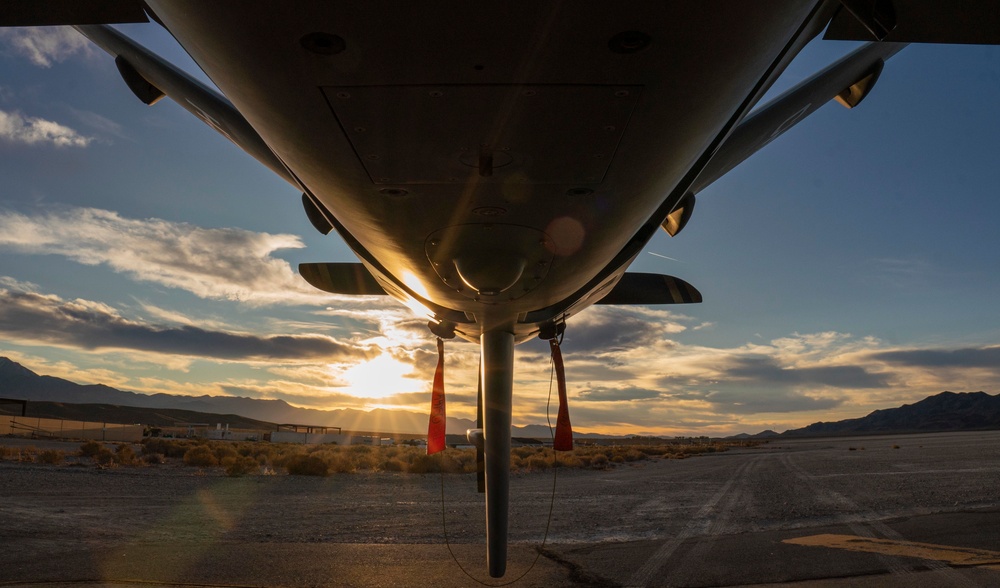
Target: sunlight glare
{"x": 380, "y": 378}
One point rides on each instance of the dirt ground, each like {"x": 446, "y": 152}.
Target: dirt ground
{"x": 712, "y": 520}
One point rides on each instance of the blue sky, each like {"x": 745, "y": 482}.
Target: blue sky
{"x": 850, "y": 265}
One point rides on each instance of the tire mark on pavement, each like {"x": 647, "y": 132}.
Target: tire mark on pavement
{"x": 705, "y": 520}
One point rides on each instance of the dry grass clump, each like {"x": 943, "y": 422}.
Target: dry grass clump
{"x": 153, "y": 458}
{"x": 449, "y": 461}
{"x": 239, "y": 465}
{"x": 124, "y": 455}
{"x": 51, "y": 457}
{"x": 201, "y": 456}
{"x": 90, "y": 449}
{"x": 307, "y": 465}
{"x": 166, "y": 447}
{"x": 104, "y": 457}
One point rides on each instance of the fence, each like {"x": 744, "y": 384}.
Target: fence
{"x": 62, "y": 429}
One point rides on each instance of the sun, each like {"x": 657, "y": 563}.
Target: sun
{"x": 380, "y": 378}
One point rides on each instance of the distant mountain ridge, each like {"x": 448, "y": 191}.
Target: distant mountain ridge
{"x": 17, "y": 381}
{"x": 947, "y": 411}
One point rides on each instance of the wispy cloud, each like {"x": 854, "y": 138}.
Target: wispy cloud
{"x": 30, "y": 130}
{"x": 44, "y": 46}
{"x": 902, "y": 273}
{"x": 99, "y": 123}
{"x": 628, "y": 393}
{"x": 226, "y": 263}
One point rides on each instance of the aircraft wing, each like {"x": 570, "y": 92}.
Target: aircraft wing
{"x": 848, "y": 81}
{"x": 917, "y": 21}
{"x": 39, "y": 13}
{"x": 150, "y": 78}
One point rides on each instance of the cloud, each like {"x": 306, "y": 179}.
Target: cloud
{"x": 44, "y": 46}
{"x": 39, "y": 318}
{"x": 749, "y": 401}
{"x": 966, "y": 357}
{"x": 902, "y": 273}
{"x": 610, "y": 328}
{"x": 768, "y": 370}
{"x": 226, "y": 263}
{"x": 99, "y": 123}
{"x": 30, "y": 130}
{"x": 602, "y": 394}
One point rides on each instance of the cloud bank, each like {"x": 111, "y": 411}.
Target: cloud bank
{"x": 82, "y": 324}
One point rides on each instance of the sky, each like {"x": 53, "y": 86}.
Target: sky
{"x": 851, "y": 265}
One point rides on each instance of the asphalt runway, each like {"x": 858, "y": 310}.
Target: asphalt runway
{"x": 908, "y": 511}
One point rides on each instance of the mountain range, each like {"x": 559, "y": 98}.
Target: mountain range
{"x": 947, "y": 411}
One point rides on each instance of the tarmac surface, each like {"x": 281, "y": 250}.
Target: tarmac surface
{"x": 915, "y": 510}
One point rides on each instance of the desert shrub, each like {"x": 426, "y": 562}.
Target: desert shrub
{"x": 341, "y": 464}
{"x": 153, "y": 458}
{"x": 393, "y": 464}
{"x": 365, "y": 460}
{"x": 90, "y": 448}
{"x": 200, "y": 456}
{"x": 526, "y": 452}
{"x": 570, "y": 460}
{"x": 52, "y": 457}
{"x": 425, "y": 464}
{"x": 448, "y": 462}
{"x": 6, "y": 451}
{"x": 104, "y": 457}
{"x": 465, "y": 459}
{"x": 537, "y": 462}
{"x": 224, "y": 450}
{"x": 599, "y": 461}
{"x": 125, "y": 456}
{"x": 634, "y": 455}
{"x": 165, "y": 447}
{"x": 283, "y": 457}
{"x": 240, "y": 465}
{"x": 307, "y": 465}
{"x": 654, "y": 450}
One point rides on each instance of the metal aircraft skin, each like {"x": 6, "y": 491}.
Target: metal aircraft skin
{"x": 499, "y": 165}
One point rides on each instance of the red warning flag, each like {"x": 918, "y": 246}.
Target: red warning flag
{"x": 564, "y": 430}
{"x": 436, "y": 427}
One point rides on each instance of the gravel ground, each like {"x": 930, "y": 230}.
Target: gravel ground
{"x": 778, "y": 486}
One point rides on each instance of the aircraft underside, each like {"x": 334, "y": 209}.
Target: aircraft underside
{"x": 497, "y": 166}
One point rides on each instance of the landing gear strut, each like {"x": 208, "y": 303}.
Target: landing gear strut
{"x": 497, "y": 380}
